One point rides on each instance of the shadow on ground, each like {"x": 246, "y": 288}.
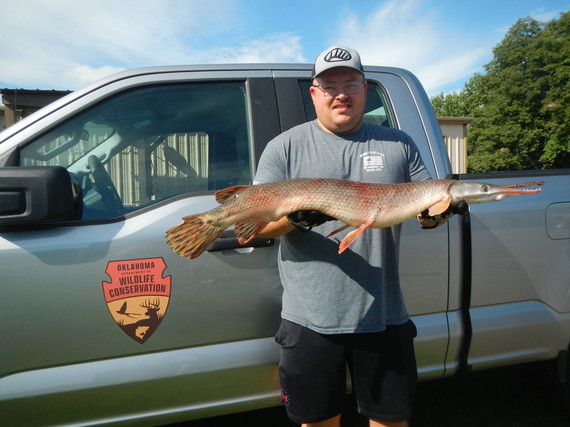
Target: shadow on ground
{"x": 518, "y": 396}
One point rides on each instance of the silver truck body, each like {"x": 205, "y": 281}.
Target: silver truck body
{"x": 100, "y": 316}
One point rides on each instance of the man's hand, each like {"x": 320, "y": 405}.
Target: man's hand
{"x": 305, "y": 220}
{"x": 461, "y": 208}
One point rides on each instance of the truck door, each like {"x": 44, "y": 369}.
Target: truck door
{"x": 100, "y": 309}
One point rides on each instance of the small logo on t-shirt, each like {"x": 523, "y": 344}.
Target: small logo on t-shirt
{"x": 372, "y": 161}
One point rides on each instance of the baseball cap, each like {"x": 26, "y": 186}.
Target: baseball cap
{"x": 337, "y": 56}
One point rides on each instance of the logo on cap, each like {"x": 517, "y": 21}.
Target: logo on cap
{"x": 338, "y": 55}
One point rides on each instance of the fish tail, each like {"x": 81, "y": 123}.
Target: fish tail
{"x": 193, "y": 236}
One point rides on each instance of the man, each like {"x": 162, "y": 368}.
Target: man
{"x": 346, "y": 309}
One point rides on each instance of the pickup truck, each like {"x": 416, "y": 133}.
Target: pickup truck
{"x": 103, "y": 324}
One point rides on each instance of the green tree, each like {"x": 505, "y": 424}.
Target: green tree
{"x": 451, "y": 104}
{"x": 461, "y": 104}
{"x": 521, "y": 105}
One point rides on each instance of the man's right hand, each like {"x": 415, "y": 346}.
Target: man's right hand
{"x": 307, "y": 219}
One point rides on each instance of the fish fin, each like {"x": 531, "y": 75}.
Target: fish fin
{"x": 193, "y": 236}
{"x": 344, "y": 227}
{"x": 351, "y": 237}
{"x": 247, "y": 230}
{"x": 229, "y": 193}
{"x": 439, "y": 207}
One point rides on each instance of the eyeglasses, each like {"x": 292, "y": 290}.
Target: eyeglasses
{"x": 350, "y": 88}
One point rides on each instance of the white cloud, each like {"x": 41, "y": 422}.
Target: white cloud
{"x": 82, "y": 75}
{"x": 542, "y": 15}
{"x": 49, "y": 40}
{"x": 405, "y": 34}
{"x": 66, "y": 44}
{"x": 272, "y": 48}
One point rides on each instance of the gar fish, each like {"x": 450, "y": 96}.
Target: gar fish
{"x": 357, "y": 204}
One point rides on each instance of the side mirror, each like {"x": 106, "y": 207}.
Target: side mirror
{"x": 37, "y": 195}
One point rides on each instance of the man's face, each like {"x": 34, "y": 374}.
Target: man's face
{"x": 342, "y": 112}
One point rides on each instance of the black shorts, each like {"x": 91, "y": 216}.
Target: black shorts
{"x": 313, "y": 366}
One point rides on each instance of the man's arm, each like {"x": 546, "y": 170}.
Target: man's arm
{"x": 276, "y": 228}
{"x": 303, "y": 220}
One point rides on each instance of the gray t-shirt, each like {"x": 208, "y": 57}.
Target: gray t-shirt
{"x": 358, "y": 290}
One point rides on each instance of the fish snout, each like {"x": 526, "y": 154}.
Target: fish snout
{"x": 504, "y": 191}
{"x": 475, "y": 192}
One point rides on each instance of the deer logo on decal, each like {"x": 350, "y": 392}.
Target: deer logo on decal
{"x": 137, "y": 295}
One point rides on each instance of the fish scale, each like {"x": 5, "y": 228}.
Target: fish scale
{"x": 357, "y": 204}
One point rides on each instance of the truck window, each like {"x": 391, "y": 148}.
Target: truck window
{"x": 151, "y": 143}
{"x": 377, "y": 108}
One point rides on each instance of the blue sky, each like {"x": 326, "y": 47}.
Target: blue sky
{"x": 67, "y": 44}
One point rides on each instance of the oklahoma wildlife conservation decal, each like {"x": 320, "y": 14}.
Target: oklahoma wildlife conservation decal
{"x": 137, "y": 295}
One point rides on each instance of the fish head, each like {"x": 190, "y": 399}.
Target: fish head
{"x": 477, "y": 192}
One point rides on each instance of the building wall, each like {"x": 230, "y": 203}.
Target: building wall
{"x": 20, "y": 103}
{"x": 454, "y": 130}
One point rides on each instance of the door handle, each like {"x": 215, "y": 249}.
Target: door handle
{"x": 228, "y": 240}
